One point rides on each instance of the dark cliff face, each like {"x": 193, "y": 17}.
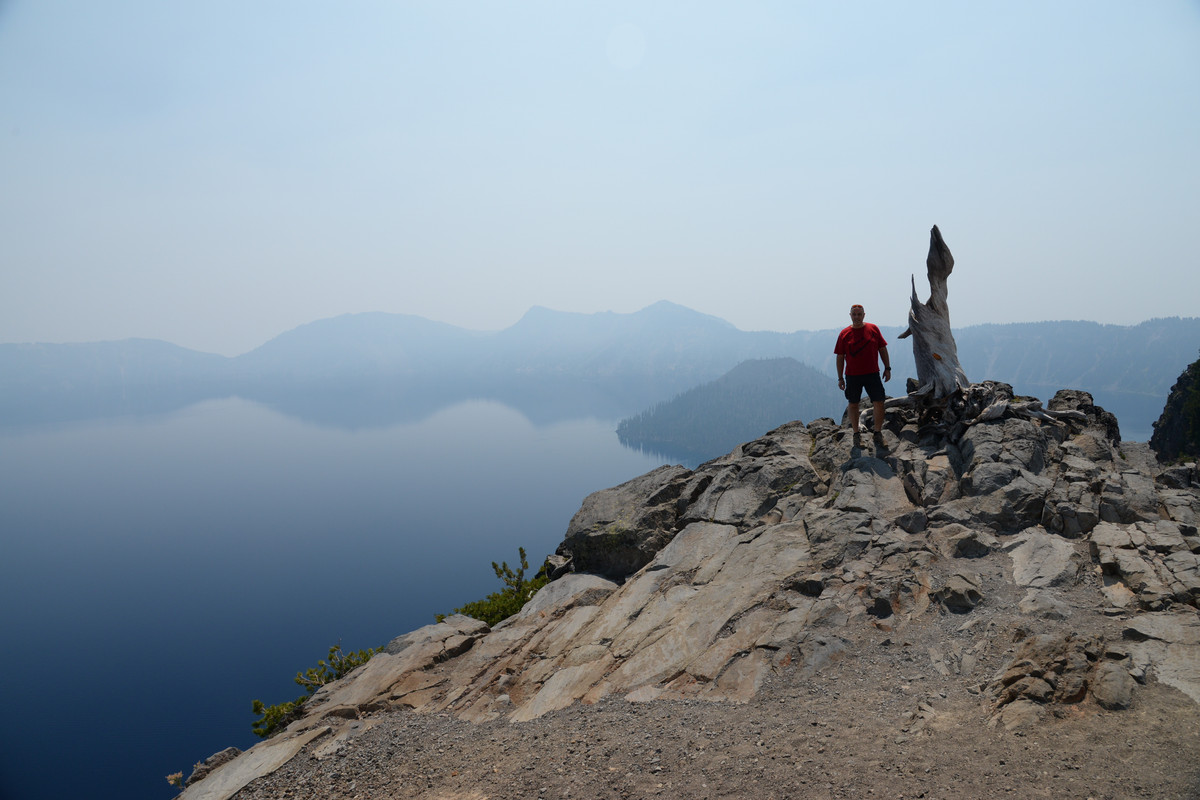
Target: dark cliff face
{"x": 1177, "y": 431}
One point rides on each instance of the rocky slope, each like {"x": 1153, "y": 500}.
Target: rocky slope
{"x": 892, "y": 607}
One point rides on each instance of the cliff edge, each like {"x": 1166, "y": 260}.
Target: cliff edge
{"x": 1177, "y": 431}
{"x": 1012, "y": 578}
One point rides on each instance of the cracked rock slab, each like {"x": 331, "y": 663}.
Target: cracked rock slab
{"x": 1041, "y": 559}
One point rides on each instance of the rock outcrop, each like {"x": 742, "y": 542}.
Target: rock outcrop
{"x": 1038, "y": 561}
{"x": 1177, "y": 432}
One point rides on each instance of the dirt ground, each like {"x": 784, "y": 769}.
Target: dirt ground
{"x": 878, "y": 722}
{"x": 791, "y": 742}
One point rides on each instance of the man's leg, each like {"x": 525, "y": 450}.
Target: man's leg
{"x": 874, "y": 387}
{"x": 854, "y": 387}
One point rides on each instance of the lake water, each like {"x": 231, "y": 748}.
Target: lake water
{"x": 159, "y": 573}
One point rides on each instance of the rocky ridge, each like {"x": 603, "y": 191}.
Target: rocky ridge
{"x": 1036, "y": 569}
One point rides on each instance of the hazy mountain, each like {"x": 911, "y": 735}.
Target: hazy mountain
{"x": 667, "y": 341}
{"x": 48, "y": 382}
{"x": 1103, "y": 356}
{"x": 743, "y": 404}
{"x": 554, "y": 365}
{"x": 356, "y": 344}
{"x": 602, "y": 342}
{"x": 134, "y": 361}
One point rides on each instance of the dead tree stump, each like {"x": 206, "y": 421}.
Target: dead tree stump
{"x": 945, "y": 400}
{"x": 939, "y": 375}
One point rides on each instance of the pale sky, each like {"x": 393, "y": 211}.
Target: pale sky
{"x": 215, "y": 173}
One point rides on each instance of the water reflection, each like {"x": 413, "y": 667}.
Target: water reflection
{"x": 163, "y": 570}
{"x": 353, "y": 403}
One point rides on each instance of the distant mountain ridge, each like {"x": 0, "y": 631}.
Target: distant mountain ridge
{"x": 605, "y": 343}
{"x": 554, "y": 364}
{"x": 373, "y": 341}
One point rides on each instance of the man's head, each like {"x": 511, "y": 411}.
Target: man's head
{"x": 857, "y": 315}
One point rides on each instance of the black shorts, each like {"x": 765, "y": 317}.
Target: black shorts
{"x": 871, "y": 382}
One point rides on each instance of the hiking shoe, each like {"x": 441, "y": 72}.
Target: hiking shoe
{"x": 858, "y": 438}
{"x": 877, "y": 437}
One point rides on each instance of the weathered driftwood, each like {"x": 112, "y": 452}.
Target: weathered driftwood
{"x": 939, "y": 374}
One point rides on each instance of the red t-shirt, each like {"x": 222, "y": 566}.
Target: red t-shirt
{"x": 860, "y": 346}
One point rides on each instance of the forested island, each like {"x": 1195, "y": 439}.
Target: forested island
{"x": 743, "y": 404}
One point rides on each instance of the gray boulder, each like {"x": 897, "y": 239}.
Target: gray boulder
{"x": 617, "y": 531}
{"x": 1100, "y": 421}
{"x": 962, "y": 542}
{"x": 1112, "y": 686}
{"x": 1179, "y": 476}
{"x": 1041, "y": 560}
{"x": 960, "y": 593}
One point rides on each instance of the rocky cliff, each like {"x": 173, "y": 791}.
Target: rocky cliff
{"x": 1034, "y": 568}
{"x": 1177, "y": 430}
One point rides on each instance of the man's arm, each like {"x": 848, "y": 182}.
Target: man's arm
{"x": 887, "y": 363}
{"x": 841, "y": 366}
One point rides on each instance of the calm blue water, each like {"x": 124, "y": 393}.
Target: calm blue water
{"x": 160, "y": 573}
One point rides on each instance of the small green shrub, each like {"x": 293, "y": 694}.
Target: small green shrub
{"x": 339, "y": 664}
{"x": 274, "y": 717}
{"x": 503, "y": 604}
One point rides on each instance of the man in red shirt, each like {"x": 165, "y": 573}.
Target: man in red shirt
{"x": 858, "y": 350}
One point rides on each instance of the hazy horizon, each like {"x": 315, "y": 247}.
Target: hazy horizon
{"x": 215, "y": 175}
{"x": 797, "y": 330}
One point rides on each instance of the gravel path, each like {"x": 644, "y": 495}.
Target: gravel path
{"x": 877, "y": 723}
